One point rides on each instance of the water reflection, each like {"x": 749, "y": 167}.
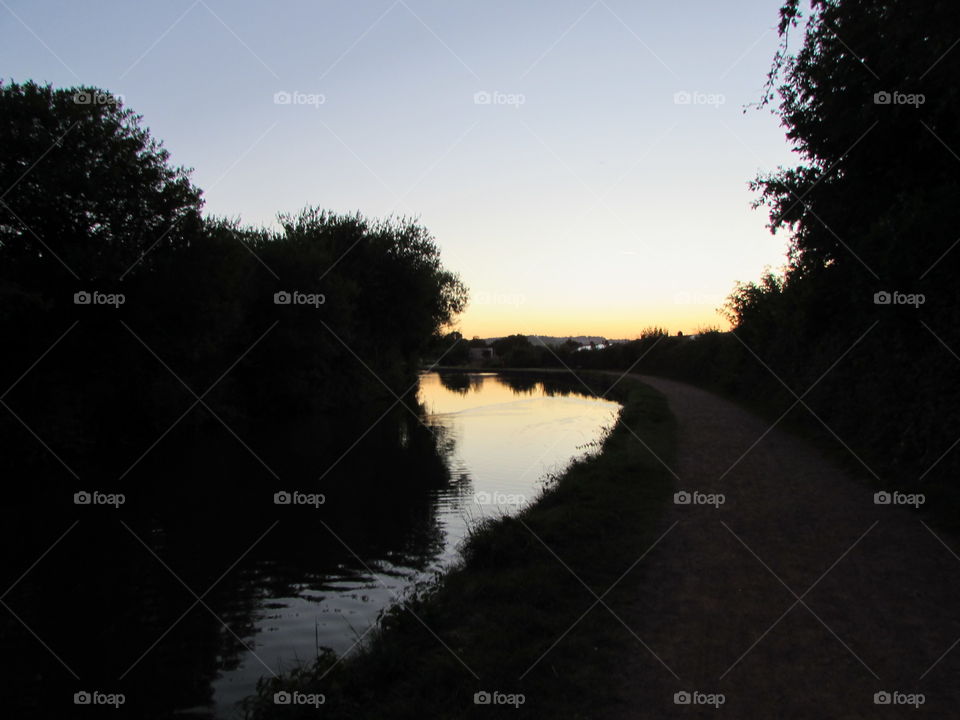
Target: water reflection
{"x": 199, "y": 584}
{"x": 509, "y": 431}
{"x": 460, "y": 382}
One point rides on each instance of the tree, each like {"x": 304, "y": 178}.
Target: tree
{"x": 92, "y": 204}
{"x": 869, "y": 101}
{"x": 871, "y": 106}
{"x": 448, "y": 349}
{"x": 87, "y": 191}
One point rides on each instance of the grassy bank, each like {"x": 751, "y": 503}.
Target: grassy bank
{"x": 494, "y": 623}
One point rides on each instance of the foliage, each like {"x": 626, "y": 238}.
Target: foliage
{"x": 447, "y": 349}
{"x": 870, "y": 103}
{"x": 93, "y": 205}
{"x": 87, "y": 191}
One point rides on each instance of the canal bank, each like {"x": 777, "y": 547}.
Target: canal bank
{"x": 529, "y": 619}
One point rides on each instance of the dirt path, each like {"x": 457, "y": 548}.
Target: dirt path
{"x": 878, "y": 591}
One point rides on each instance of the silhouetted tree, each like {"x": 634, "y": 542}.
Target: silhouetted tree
{"x": 92, "y": 204}
{"x": 870, "y": 103}
{"x": 87, "y": 191}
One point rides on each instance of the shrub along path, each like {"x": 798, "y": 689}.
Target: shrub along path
{"x": 798, "y": 597}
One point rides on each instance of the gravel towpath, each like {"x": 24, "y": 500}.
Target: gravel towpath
{"x": 798, "y": 597}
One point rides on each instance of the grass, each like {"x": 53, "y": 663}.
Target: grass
{"x": 495, "y": 621}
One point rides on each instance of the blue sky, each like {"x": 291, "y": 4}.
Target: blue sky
{"x": 583, "y": 165}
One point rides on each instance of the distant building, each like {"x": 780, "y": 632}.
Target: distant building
{"x": 480, "y": 355}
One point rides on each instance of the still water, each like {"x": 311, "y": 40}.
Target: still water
{"x": 201, "y": 584}
{"x": 505, "y": 437}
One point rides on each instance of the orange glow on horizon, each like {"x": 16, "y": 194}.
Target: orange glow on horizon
{"x": 485, "y": 322}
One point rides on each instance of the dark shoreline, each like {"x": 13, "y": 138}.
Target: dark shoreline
{"x": 481, "y": 626}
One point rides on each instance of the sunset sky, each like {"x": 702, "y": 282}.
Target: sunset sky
{"x": 583, "y": 165}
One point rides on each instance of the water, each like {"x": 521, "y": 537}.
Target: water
{"x": 275, "y": 583}
{"x": 505, "y": 441}
{"x": 508, "y": 436}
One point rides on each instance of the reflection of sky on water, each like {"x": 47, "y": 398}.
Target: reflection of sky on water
{"x": 504, "y": 442}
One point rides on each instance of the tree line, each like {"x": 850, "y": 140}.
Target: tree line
{"x": 122, "y": 306}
